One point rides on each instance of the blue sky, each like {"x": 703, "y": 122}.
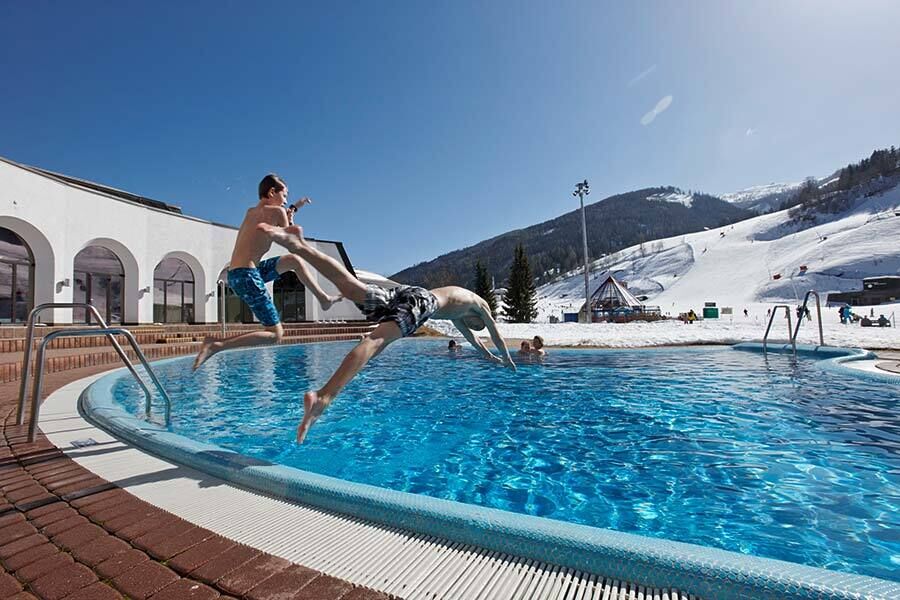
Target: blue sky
{"x": 423, "y": 127}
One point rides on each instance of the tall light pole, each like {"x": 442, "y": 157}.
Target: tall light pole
{"x": 582, "y": 189}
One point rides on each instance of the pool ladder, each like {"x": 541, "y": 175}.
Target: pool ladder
{"x": 103, "y": 329}
{"x": 792, "y": 332}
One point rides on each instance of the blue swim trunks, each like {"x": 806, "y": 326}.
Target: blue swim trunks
{"x": 250, "y": 285}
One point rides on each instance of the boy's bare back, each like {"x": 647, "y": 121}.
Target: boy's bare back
{"x": 251, "y": 243}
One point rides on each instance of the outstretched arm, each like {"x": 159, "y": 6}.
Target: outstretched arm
{"x": 472, "y": 339}
{"x": 293, "y": 208}
{"x": 499, "y": 343}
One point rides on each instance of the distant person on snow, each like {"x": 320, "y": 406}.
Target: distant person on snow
{"x": 398, "y": 312}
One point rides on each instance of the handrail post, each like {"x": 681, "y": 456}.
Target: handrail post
{"x": 803, "y": 312}
{"x": 29, "y": 341}
{"x": 221, "y": 286}
{"x": 39, "y": 374}
{"x": 787, "y": 310}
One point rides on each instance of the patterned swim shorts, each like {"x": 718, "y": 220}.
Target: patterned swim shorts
{"x": 408, "y": 306}
{"x": 250, "y": 285}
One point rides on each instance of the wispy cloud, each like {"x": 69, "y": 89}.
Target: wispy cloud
{"x": 660, "y": 107}
{"x": 750, "y": 132}
{"x": 643, "y": 74}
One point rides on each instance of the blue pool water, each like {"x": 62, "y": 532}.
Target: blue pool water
{"x": 770, "y": 456}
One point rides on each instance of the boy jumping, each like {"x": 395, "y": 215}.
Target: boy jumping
{"x": 247, "y": 274}
{"x": 398, "y": 312}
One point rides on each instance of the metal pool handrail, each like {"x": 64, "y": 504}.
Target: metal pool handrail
{"x": 803, "y": 312}
{"x": 110, "y": 331}
{"x": 29, "y": 342}
{"x": 787, "y": 310}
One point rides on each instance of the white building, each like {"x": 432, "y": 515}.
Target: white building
{"x": 137, "y": 260}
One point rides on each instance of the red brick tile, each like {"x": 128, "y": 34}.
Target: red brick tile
{"x": 324, "y": 587}
{"x": 186, "y": 589}
{"x": 15, "y": 531}
{"x": 130, "y": 518}
{"x": 78, "y": 536}
{"x": 16, "y": 562}
{"x": 136, "y": 530}
{"x": 64, "y": 512}
{"x": 144, "y": 580}
{"x": 21, "y": 545}
{"x": 74, "y": 487}
{"x": 99, "y": 497}
{"x": 66, "y": 471}
{"x": 46, "y": 509}
{"x": 66, "y": 479}
{"x": 57, "y": 527}
{"x": 158, "y": 535}
{"x": 22, "y": 596}
{"x": 38, "y": 499}
{"x": 105, "y": 503}
{"x": 101, "y": 514}
{"x": 18, "y": 484}
{"x": 24, "y": 492}
{"x": 249, "y": 575}
{"x": 283, "y": 585}
{"x": 119, "y": 563}
{"x": 225, "y": 563}
{"x": 9, "y": 519}
{"x": 96, "y": 591}
{"x": 166, "y": 549}
{"x": 60, "y": 583}
{"x": 38, "y": 568}
{"x": 200, "y": 554}
{"x": 99, "y": 550}
{"x": 9, "y": 585}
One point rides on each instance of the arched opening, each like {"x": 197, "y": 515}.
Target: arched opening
{"x": 173, "y": 292}
{"x": 99, "y": 280}
{"x": 290, "y": 298}
{"x": 16, "y": 278}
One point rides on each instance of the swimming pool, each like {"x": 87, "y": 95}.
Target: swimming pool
{"x": 762, "y": 455}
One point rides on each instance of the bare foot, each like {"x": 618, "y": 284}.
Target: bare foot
{"x": 313, "y": 407}
{"x": 206, "y": 351}
{"x": 290, "y": 237}
{"x": 330, "y": 300}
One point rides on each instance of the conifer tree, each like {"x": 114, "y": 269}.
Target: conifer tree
{"x": 483, "y": 287}
{"x": 520, "y": 295}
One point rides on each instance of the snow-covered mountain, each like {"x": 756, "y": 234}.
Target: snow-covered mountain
{"x": 762, "y": 198}
{"x": 736, "y": 265}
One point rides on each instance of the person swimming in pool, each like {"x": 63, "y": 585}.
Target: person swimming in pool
{"x": 398, "y": 312}
{"x": 248, "y": 275}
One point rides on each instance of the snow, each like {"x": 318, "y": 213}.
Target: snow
{"x": 734, "y": 266}
{"x": 762, "y": 198}
{"x": 674, "y": 197}
{"x": 725, "y": 330}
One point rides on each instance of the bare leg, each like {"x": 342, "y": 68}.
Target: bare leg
{"x": 211, "y": 346}
{"x": 292, "y": 262}
{"x": 292, "y": 239}
{"x": 315, "y": 402}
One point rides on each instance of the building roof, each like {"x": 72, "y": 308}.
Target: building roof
{"x": 111, "y": 191}
{"x": 612, "y": 294}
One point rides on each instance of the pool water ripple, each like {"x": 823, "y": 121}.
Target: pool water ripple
{"x": 769, "y": 456}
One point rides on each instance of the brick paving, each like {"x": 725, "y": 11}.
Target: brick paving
{"x": 67, "y": 534}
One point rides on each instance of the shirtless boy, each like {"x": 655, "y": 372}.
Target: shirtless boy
{"x": 247, "y": 274}
{"x": 398, "y": 312}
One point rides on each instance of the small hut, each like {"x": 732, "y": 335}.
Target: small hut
{"x": 613, "y": 302}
